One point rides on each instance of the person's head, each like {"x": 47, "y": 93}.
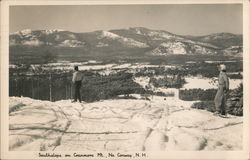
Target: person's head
{"x": 76, "y": 68}
{"x": 222, "y": 67}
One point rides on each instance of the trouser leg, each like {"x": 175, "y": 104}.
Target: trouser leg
{"x": 218, "y": 107}
{"x": 78, "y": 89}
{"x": 218, "y": 100}
{"x": 223, "y": 106}
{"x": 75, "y": 92}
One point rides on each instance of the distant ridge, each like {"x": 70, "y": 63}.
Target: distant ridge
{"x": 141, "y": 40}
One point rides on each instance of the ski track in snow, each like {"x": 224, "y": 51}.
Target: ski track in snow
{"x": 119, "y": 125}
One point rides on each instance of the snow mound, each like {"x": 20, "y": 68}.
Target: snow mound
{"x": 163, "y": 123}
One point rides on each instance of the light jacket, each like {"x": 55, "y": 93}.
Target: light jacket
{"x": 77, "y": 76}
{"x": 223, "y": 81}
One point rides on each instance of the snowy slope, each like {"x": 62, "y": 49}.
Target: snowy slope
{"x": 125, "y": 41}
{"x": 222, "y": 40}
{"x": 179, "y": 47}
{"x": 170, "y": 48}
{"x": 157, "y": 35}
{"x": 72, "y": 43}
{"x": 119, "y": 125}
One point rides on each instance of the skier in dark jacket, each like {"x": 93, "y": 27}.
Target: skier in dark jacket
{"x": 77, "y": 82}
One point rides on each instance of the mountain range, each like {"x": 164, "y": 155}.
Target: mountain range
{"x": 131, "y": 41}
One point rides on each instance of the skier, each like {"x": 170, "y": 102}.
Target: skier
{"x": 223, "y": 88}
{"x": 77, "y": 82}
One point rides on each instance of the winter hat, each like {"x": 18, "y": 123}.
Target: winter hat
{"x": 223, "y": 67}
{"x": 76, "y": 68}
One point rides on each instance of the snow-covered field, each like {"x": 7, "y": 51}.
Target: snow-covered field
{"x": 218, "y": 61}
{"x": 91, "y": 65}
{"x": 164, "y": 123}
{"x": 192, "y": 83}
{"x": 208, "y": 83}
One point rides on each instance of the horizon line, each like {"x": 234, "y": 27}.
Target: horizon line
{"x": 126, "y": 28}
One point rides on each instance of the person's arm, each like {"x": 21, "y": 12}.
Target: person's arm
{"x": 226, "y": 80}
{"x": 82, "y": 77}
{"x": 74, "y": 77}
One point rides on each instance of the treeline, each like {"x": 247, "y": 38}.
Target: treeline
{"x": 197, "y": 94}
{"x": 43, "y": 86}
{"x": 99, "y": 87}
{"x": 52, "y": 86}
{"x": 172, "y": 81}
{"x": 208, "y": 70}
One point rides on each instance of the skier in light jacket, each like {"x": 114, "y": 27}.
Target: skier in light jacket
{"x": 223, "y": 88}
{"x": 77, "y": 82}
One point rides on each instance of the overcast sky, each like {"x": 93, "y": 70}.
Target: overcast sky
{"x": 184, "y": 19}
